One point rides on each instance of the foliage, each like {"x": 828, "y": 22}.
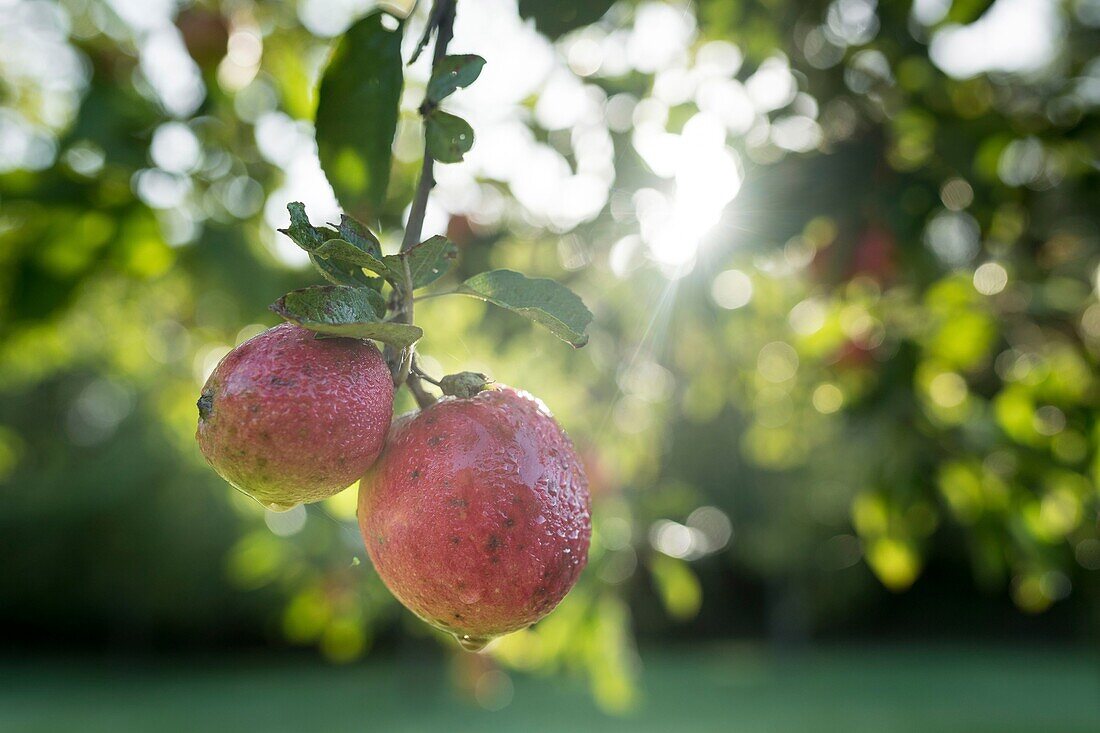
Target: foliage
{"x": 845, "y": 302}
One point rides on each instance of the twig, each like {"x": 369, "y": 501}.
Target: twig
{"x": 443, "y": 19}
{"x": 422, "y": 396}
{"x": 433, "y": 21}
{"x": 422, "y": 374}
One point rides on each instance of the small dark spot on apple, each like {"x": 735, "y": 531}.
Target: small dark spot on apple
{"x": 415, "y": 474}
{"x": 458, "y": 503}
{"x": 455, "y": 540}
{"x": 206, "y": 404}
{"x": 435, "y": 440}
{"x": 509, "y": 522}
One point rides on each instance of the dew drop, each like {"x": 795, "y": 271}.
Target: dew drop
{"x": 540, "y": 519}
{"x": 276, "y": 507}
{"x": 472, "y": 643}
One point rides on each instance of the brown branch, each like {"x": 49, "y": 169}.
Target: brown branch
{"x": 443, "y": 18}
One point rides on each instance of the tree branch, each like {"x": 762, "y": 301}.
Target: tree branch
{"x": 444, "y": 15}
{"x": 443, "y": 18}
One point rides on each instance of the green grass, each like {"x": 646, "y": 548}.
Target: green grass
{"x": 726, "y": 688}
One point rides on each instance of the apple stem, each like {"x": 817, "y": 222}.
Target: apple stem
{"x": 423, "y": 375}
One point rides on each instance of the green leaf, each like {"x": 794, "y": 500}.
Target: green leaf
{"x": 331, "y": 310}
{"x": 313, "y": 240}
{"x": 966, "y": 11}
{"x": 304, "y": 234}
{"x": 428, "y": 261}
{"x": 677, "y": 585}
{"x": 377, "y": 302}
{"x": 449, "y": 138}
{"x": 544, "y": 301}
{"x": 340, "y": 272}
{"x": 357, "y": 110}
{"x": 555, "y": 18}
{"x": 453, "y": 73}
{"x": 353, "y": 231}
{"x": 343, "y": 251}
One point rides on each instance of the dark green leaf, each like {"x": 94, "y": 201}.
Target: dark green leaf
{"x": 428, "y": 261}
{"x": 340, "y": 272}
{"x": 339, "y": 250}
{"x": 332, "y": 310}
{"x": 304, "y": 234}
{"x": 376, "y": 301}
{"x": 966, "y": 11}
{"x": 357, "y": 111}
{"x": 353, "y": 231}
{"x": 555, "y": 18}
{"x": 544, "y": 301}
{"x": 448, "y": 137}
{"x": 453, "y": 73}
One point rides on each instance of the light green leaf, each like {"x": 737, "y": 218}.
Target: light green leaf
{"x": 331, "y": 310}
{"x": 428, "y": 261}
{"x": 678, "y": 587}
{"x": 448, "y": 138}
{"x": 453, "y": 73}
{"x": 544, "y": 301}
{"x": 357, "y": 110}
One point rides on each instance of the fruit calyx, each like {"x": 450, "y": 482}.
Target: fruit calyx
{"x": 206, "y": 403}
{"x": 464, "y": 384}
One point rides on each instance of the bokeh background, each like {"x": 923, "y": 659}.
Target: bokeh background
{"x": 839, "y": 408}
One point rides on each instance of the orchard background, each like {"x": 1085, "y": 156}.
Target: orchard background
{"x": 838, "y": 406}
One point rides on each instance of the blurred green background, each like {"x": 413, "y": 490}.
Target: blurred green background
{"x": 839, "y": 407}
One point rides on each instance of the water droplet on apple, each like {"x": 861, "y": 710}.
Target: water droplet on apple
{"x": 472, "y": 643}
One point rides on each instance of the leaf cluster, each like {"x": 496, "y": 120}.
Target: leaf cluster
{"x": 357, "y": 114}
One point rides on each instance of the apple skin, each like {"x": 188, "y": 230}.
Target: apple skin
{"x": 477, "y": 516}
{"x": 290, "y": 418}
